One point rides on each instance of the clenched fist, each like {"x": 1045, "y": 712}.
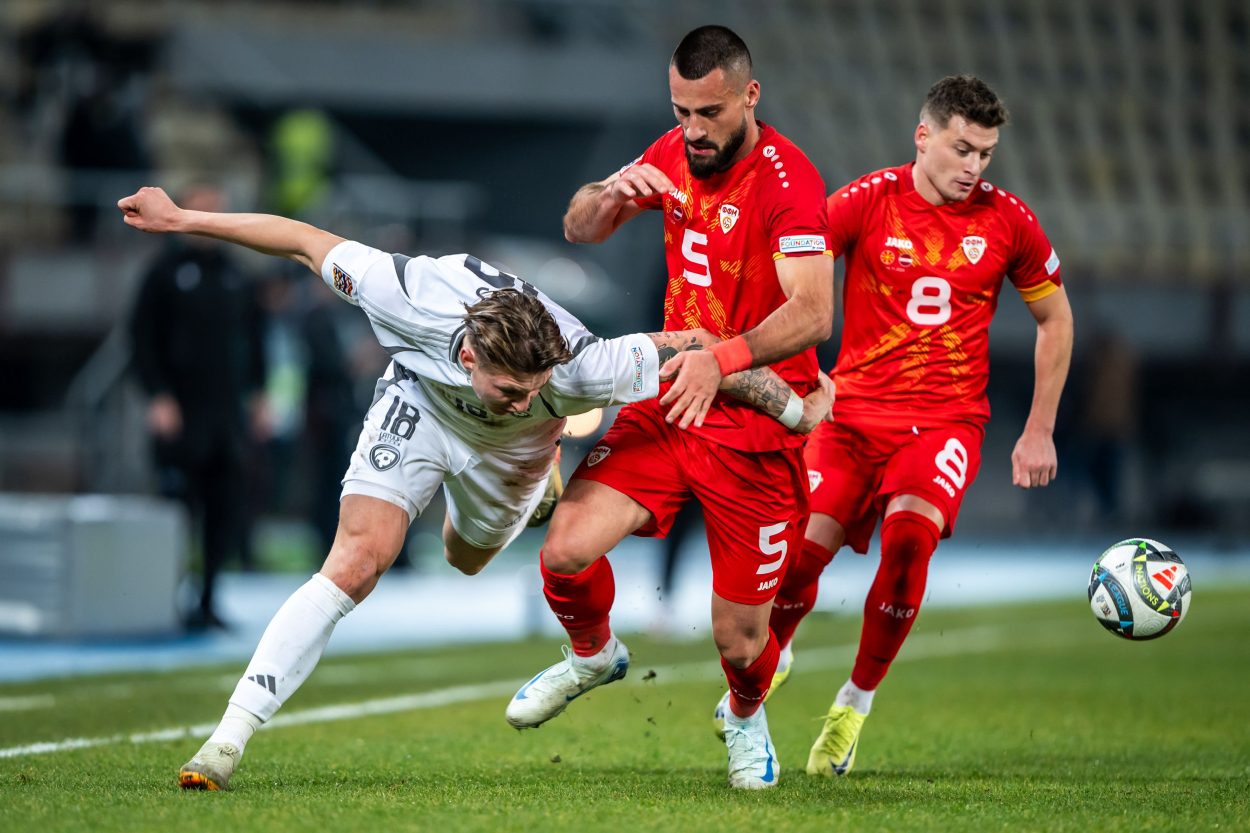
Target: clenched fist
{"x": 151, "y": 210}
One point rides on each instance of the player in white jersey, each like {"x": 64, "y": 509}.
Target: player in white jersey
{"x": 484, "y": 370}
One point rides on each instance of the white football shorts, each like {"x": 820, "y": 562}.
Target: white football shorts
{"x": 405, "y": 452}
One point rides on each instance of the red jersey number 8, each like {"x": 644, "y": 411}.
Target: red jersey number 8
{"x": 930, "y": 303}
{"x": 694, "y": 258}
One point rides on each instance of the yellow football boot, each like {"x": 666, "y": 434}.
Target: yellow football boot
{"x": 547, "y": 506}
{"x": 833, "y": 753}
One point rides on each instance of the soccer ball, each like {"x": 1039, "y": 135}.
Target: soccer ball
{"x": 1139, "y": 589}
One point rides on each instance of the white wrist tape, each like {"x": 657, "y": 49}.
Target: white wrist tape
{"x": 793, "y": 413}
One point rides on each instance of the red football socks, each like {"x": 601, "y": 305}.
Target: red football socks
{"x": 582, "y": 603}
{"x": 748, "y": 685}
{"x": 797, "y": 593}
{"x": 908, "y": 539}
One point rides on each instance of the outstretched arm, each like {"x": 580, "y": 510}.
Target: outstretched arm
{"x": 760, "y": 387}
{"x": 599, "y": 208}
{"x": 803, "y": 321}
{"x": 1034, "y": 461}
{"x": 151, "y": 210}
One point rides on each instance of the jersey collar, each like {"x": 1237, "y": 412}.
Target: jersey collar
{"x": 911, "y": 194}
{"x": 714, "y": 183}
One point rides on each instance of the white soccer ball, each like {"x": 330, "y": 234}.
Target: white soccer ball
{"x": 1139, "y": 589}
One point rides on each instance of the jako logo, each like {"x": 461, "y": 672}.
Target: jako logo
{"x": 941, "y": 481}
{"x": 767, "y": 585}
{"x": 898, "y": 243}
{"x": 901, "y": 613}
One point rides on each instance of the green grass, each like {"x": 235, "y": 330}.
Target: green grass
{"x": 1042, "y": 722}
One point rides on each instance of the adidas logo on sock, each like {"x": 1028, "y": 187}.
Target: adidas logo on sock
{"x": 265, "y": 681}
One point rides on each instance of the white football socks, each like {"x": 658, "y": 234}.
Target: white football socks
{"x": 236, "y": 727}
{"x": 855, "y": 697}
{"x": 597, "y": 662}
{"x": 291, "y": 647}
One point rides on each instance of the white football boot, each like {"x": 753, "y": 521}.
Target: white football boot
{"x": 545, "y": 696}
{"x": 211, "y": 767}
{"x": 753, "y": 763}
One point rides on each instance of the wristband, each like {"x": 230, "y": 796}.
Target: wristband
{"x": 732, "y": 355}
{"x": 793, "y": 414}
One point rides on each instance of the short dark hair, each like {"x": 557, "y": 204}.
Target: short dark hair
{"x": 708, "y": 48}
{"x": 514, "y": 333}
{"x": 966, "y": 96}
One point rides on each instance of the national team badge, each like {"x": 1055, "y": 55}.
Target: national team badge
{"x": 597, "y": 454}
{"x": 814, "y": 479}
{"x": 383, "y": 456}
{"x": 728, "y": 216}
{"x": 974, "y": 248}
{"x": 887, "y": 256}
{"x": 904, "y": 259}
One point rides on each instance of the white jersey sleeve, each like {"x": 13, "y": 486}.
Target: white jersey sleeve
{"x": 614, "y": 371}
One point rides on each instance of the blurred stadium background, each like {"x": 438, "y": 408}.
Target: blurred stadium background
{"x": 437, "y": 126}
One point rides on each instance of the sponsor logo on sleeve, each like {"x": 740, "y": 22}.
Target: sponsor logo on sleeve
{"x": 630, "y": 165}
{"x": 728, "y": 217}
{"x": 597, "y": 454}
{"x": 974, "y": 248}
{"x": 638, "y": 364}
{"x": 1052, "y": 263}
{"x": 802, "y": 243}
{"x": 342, "y": 281}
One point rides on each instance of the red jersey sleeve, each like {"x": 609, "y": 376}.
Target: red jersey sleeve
{"x": 1034, "y": 266}
{"x": 792, "y": 203}
{"x": 846, "y": 209}
{"x": 651, "y": 156}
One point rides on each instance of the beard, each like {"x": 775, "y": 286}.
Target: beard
{"x": 702, "y": 167}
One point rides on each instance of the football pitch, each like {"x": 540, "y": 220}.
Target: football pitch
{"x": 1023, "y": 717}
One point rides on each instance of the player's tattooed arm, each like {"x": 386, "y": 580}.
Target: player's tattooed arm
{"x": 760, "y": 387}
{"x": 599, "y": 208}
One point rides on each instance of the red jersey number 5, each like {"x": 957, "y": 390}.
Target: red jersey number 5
{"x": 695, "y": 259}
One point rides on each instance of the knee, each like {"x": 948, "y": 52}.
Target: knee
{"x": 560, "y": 557}
{"x": 740, "y": 648}
{"x": 354, "y": 565}
{"x": 468, "y": 566}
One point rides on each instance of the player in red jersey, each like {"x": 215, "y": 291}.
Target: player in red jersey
{"x": 746, "y": 241}
{"x": 927, "y": 246}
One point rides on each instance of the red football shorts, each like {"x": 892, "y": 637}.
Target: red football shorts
{"x": 754, "y": 503}
{"x": 855, "y": 467}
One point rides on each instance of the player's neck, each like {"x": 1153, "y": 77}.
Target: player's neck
{"x": 748, "y": 144}
{"x": 925, "y": 188}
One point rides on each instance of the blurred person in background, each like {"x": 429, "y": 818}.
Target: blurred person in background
{"x": 1109, "y": 417}
{"x": 197, "y": 331}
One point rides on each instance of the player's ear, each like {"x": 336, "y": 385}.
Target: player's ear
{"x": 922, "y": 136}
{"x": 466, "y": 356}
{"x": 752, "y": 93}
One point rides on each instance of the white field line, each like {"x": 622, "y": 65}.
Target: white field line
{"x": 23, "y": 704}
{"x": 920, "y": 646}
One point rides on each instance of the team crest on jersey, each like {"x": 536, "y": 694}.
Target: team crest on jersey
{"x": 383, "y": 456}
{"x": 597, "y": 454}
{"x": 974, "y": 248}
{"x": 728, "y": 216}
{"x": 887, "y": 256}
{"x": 814, "y": 479}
